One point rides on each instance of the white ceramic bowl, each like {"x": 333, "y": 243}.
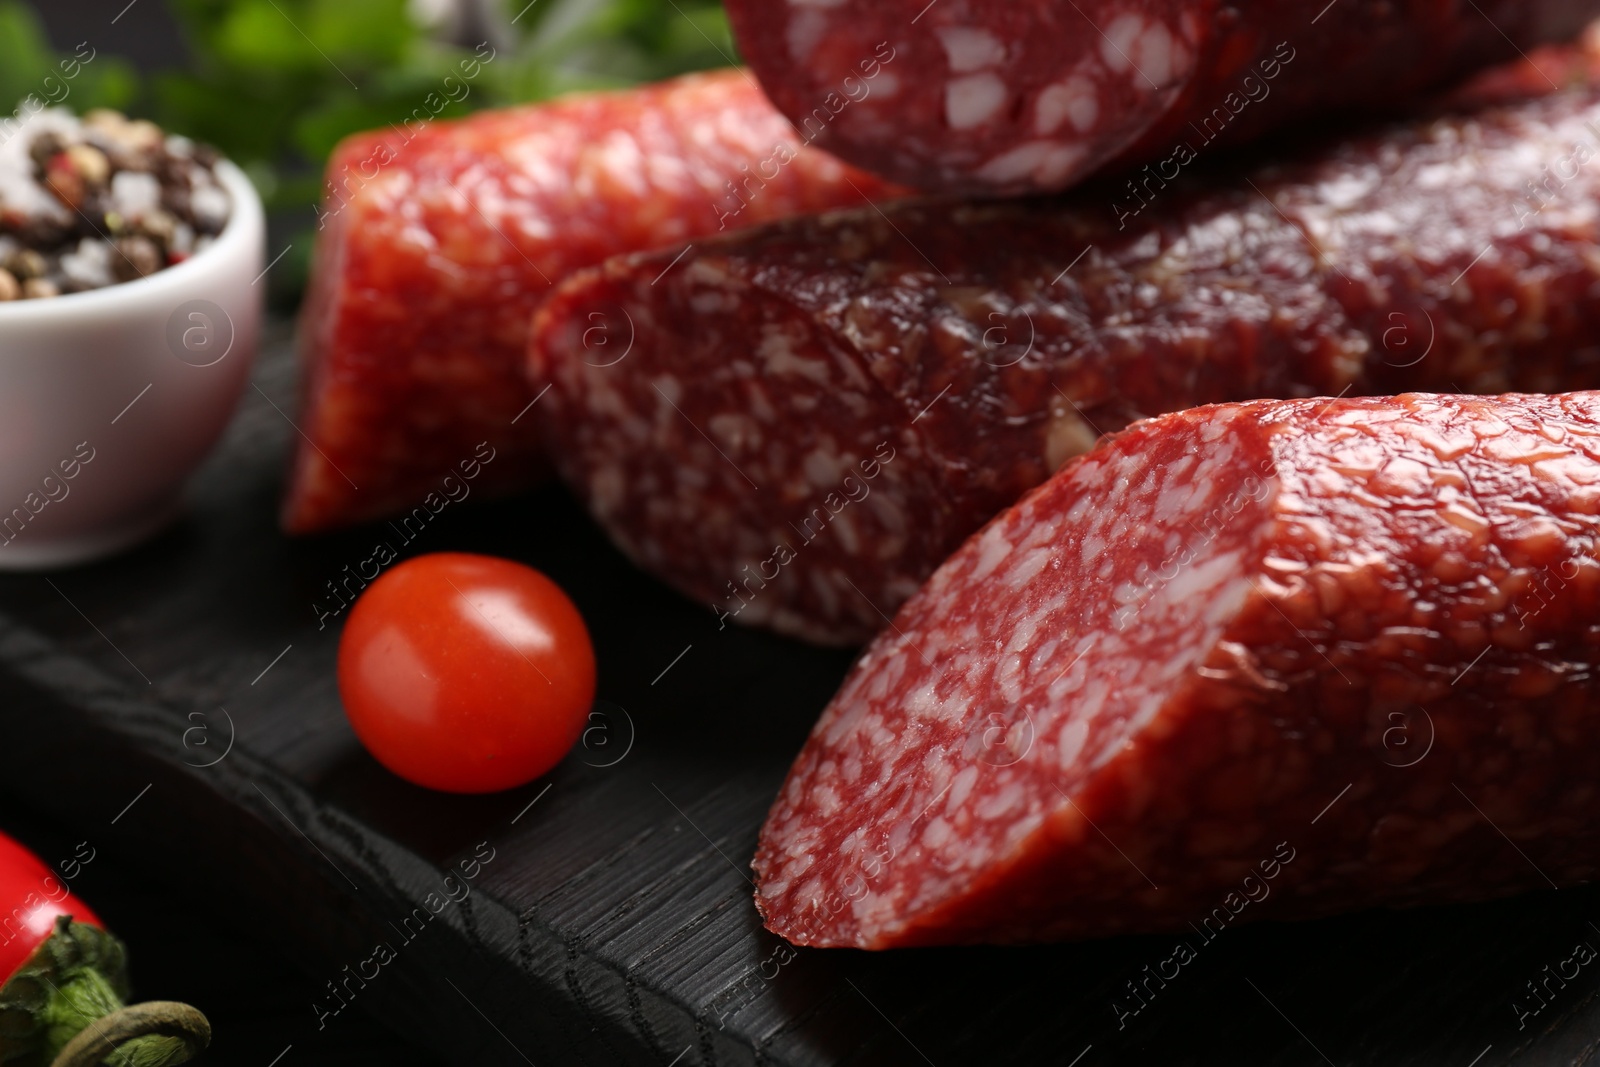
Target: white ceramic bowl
{"x": 109, "y": 399}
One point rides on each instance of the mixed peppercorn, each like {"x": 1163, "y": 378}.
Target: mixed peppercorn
{"x": 86, "y": 203}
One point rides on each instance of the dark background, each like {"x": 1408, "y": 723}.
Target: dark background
{"x": 176, "y": 934}
{"x": 145, "y": 33}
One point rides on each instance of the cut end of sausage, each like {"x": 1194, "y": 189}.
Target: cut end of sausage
{"x": 1019, "y": 96}
{"x": 1354, "y": 630}
{"x": 1012, "y": 98}
{"x": 973, "y": 730}
{"x": 727, "y": 442}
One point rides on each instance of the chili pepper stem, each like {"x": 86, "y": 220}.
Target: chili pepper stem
{"x": 66, "y": 1007}
{"x": 157, "y": 1033}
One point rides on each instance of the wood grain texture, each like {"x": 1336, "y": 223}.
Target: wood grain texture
{"x": 614, "y": 923}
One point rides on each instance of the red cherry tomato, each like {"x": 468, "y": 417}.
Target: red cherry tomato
{"x": 31, "y": 897}
{"x": 466, "y": 673}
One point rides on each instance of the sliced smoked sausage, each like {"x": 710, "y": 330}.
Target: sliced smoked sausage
{"x": 438, "y": 239}
{"x": 1272, "y": 659}
{"x": 798, "y": 423}
{"x": 1008, "y": 96}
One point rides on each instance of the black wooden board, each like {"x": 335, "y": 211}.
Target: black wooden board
{"x": 614, "y": 923}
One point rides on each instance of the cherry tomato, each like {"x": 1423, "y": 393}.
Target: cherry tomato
{"x": 465, "y": 673}
{"x": 31, "y": 897}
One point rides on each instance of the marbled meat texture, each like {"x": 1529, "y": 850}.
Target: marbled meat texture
{"x": 813, "y": 415}
{"x": 1016, "y": 96}
{"x": 1273, "y": 659}
{"x": 438, "y": 239}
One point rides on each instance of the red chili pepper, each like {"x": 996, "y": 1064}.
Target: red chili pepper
{"x": 61, "y": 971}
{"x": 31, "y": 898}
